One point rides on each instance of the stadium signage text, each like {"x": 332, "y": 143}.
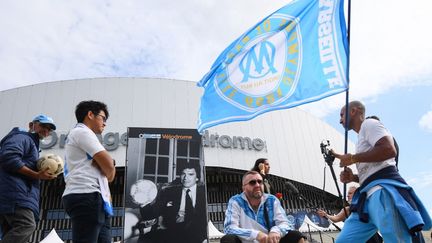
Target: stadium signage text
{"x": 235, "y": 142}
{"x": 112, "y": 140}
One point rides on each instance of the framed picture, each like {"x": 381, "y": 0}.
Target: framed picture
{"x": 165, "y": 194}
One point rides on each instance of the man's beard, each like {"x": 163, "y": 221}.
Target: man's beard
{"x": 36, "y": 135}
{"x": 257, "y": 194}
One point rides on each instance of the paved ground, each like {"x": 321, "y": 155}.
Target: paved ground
{"x": 427, "y": 236}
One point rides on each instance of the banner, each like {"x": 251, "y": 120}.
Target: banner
{"x": 294, "y": 56}
{"x": 302, "y": 219}
{"x": 165, "y": 199}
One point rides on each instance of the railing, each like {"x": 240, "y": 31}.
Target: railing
{"x": 320, "y": 233}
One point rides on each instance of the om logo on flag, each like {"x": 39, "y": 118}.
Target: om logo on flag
{"x": 294, "y": 56}
{"x": 264, "y": 67}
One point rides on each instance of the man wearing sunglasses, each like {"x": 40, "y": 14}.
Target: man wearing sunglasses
{"x": 88, "y": 169}
{"x": 255, "y": 217}
{"x": 19, "y": 179}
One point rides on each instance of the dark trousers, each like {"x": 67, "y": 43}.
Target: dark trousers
{"x": 18, "y": 226}
{"x": 170, "y": 236}
{"x": 293, "y": 236}
{"x": 230, "y": 239}
{"x": 90, "y": 223}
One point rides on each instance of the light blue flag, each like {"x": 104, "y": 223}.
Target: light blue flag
{"x": 296, "y": 55}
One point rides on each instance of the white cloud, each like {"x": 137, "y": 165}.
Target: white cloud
{"x": 423, "y": 180}
{"x": 426, "y": 121}
{"x": 59, "y": 40}
{"x": 56, "y": 40}
{"x": 389, "y": 49}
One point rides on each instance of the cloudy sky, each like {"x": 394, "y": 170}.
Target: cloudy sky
{"x": 391, "y": 54}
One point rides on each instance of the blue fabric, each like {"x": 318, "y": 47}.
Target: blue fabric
{"x": 108, "y": 208}
{"x": 412, "y": 215}
{"x": 243, "y": 221}
{"x": 18, "y": 149}
{"x": 44, "y": 119}
{"x": 296, "y": 55}
{"x": 383, "y": 216}
{"x": 388, "y": 211}
{"x": 259, "y": 216}
{"x": 389, "y": 172}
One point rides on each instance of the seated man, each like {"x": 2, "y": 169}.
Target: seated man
{"x": 181, "y": 210}
{"x": 253, "y": 216}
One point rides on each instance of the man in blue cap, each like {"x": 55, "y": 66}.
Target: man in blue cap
{"x": 19, "y": 179}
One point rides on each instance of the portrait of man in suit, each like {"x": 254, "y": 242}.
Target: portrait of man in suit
{"x": 180, "y": 208}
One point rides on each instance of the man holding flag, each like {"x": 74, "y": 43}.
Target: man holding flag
{"x": 295, "y": 56}
{"x": 384, "y": 201}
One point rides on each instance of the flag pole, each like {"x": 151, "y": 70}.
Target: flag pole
{"x": 347, "y": 91}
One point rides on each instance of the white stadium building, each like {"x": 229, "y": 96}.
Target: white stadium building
{"x": 290, "y": 139}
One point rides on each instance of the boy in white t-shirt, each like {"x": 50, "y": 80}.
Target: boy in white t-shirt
{"x": 88, "y": 169}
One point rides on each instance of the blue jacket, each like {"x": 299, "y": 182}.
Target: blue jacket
{"x": 243, "y": 221}
{"x": 409, "y": 206}
{"x": 17, "y": 149}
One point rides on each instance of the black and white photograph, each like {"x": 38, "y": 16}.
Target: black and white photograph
{"x": 165, "y": 197}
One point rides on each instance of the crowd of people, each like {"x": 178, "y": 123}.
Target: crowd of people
{"x": 87, "y": 171}
{"x": 382, "y": 203}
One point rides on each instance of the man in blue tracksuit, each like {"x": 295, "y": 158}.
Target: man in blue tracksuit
{"x": 383, "y": 202}
{"x": 253, "y": 216}
{"x": 19, "y": 179}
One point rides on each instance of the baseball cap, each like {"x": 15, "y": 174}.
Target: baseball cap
{"x": 44, "y": 119}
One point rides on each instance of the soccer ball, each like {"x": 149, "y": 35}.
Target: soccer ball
{"x": 52, "y": 162}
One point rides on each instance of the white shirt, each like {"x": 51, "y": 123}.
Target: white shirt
{"x": 192, "y": 194}
{"x": 80, "y": 175}
{"x": 370, "y": 132}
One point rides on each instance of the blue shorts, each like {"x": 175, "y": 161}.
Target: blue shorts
{"x": 383, "y": 217}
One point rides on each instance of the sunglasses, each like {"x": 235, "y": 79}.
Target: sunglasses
{"x": 253, "y": 182}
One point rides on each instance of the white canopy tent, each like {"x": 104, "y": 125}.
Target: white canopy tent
{"x": 313, "y": 227}
{"x": 213, "y": 232}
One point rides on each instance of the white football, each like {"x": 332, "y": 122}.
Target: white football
{"x": 52, "y": 162}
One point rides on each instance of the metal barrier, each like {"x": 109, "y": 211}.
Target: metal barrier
{"x": 324, "y": 237}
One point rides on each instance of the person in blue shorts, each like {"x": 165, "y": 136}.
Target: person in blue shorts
{"x": 384, "y": 202}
